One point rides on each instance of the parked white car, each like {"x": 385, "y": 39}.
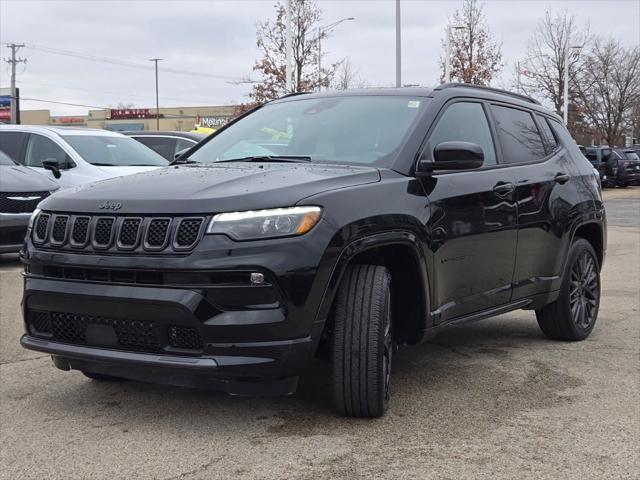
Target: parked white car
{"x": 75, "y": 156}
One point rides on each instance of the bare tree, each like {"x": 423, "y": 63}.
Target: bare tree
{"x": 541, "y": 73}
{"x": 475, "y": 57}
{"x": 346, "y": 77}
{"x": 609, "y": 87}
{"x": 271, "y": 39}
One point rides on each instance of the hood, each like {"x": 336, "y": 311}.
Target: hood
{"x": 119, "y": 171}
{"x": 191, "y": 189}
{"x": 23, "y": 179}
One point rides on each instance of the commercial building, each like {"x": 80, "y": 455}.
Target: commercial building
{"x": 120, "y": 119}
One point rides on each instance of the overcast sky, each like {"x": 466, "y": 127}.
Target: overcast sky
{"x": 217, "y": 38}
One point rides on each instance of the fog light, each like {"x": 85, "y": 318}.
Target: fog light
{"x": 257, "y": 278}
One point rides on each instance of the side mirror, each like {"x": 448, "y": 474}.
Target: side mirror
{"x": 180, "y": 153}
{"x": 451, "y": 156}
{"x": 53, "y": 165}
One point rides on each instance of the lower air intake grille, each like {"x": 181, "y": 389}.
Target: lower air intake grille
{"x": 134, "y": 335}
{"x": 186, "y": 338}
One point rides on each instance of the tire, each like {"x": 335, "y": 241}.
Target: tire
{"x": 573, "y": 315}
{"x": 99, "y": 377}
{"x": 362, "y": 345}
{"x": 623, "y": 185}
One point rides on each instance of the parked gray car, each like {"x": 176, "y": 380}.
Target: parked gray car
{"x": 21, "y": 189}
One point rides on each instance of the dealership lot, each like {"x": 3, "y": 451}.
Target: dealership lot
{"x": 493, "y": 399}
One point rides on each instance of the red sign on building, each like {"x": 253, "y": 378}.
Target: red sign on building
{"x": 129, "y": 113}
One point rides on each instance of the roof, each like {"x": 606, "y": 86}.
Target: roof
{"x": 449, "y": 89}
{"x": 60, "y": 130}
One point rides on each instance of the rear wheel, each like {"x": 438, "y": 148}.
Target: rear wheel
{"x": 362, "y": 344}
{"x": 574, "y": 314}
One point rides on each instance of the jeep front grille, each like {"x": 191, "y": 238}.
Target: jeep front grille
{"x": 84, "y": 233}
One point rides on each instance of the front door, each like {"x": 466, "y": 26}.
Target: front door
{"x": 473, "y": 220}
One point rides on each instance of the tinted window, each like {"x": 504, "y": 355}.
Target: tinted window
{"x": 5, "y": 159}
{"x": 161, "y": 145}
{"x": 358, "y": 129}
{"x": 519, "y": 136}
{"x": 41, "y": 148}
{"x": 466, "y": 122}
{"x": 114, "y": 151}
{"x": 12, "y": 143}
{"x": 550, "y": 139}
{"x": 182, "y": 143}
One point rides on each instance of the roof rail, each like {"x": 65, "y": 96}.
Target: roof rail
{"x": 489, "y": 89}
{"x": 293, "y": 94}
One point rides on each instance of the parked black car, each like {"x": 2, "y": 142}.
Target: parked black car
{"x": 387, "y": 216}
{"x": 167, "y": 144}
{"x": 627, "y": 165}
{"x": 599, "y": 158}
{"x": 21, "y": 189}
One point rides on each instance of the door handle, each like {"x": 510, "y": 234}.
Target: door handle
{"x": 503, "y": 187}
{"x": 561, "y": 178}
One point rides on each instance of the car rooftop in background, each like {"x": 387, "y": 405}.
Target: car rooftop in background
{"x": 166, "y": 143}
{"x": 73, "y": 156}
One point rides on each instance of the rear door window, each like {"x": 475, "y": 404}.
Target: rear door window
{"x": 12, "y": 144}
{"x": 465, "y": 122}
{"x": 182, "y": 144}
{"x": 163, "y": 145}
{"x": 519, "y": 136}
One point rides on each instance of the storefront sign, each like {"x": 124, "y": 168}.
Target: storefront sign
{"x": 69, "y": 120}
{"x": 211, "y": 122}
{"x": 128, "y": 113}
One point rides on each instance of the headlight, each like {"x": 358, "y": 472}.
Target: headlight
{"x": 32, "y": 219}
{"x": 277, "y": 222}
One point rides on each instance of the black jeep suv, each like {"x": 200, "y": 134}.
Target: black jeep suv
{"x": 354, "y": 221}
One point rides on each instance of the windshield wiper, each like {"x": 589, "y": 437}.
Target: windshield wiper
{"x": 103, "y": 164}
{"x": 270, "y": 158}
{"x": 182, "y": 161}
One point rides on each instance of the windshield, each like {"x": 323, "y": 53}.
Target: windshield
{"x": 632, "y": 155}
{"x": 5, "y": 160}
{"x": 114, "y": 151}
{"x": 361, "y": 130}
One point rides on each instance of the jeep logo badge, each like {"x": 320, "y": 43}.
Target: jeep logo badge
{"x": 110, "y": 206}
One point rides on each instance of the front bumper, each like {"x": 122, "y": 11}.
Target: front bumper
{"x": 13, "y": 227}
{"x": 253, "y": 339}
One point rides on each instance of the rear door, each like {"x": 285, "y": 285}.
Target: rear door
{"x": 545, "y": 192}
{"x": 473, "y": 219}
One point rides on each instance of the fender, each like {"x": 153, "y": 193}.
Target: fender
{"x": 362, "y": 244}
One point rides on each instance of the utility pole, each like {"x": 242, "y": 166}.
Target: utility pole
{"x": 447, "y": 51}
{"x": 13, "y": 61}
{"x": 156, "y": 60}
{"x": 398, "y": 47}
{"x": 321, "y": 31}
{"x": 565, "y": 93}
{"x": 288, "y": 46}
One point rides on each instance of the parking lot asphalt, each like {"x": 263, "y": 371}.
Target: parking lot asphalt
{"x": 492, "y": 399}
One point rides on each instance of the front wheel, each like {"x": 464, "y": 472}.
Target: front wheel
{"x": 362, "y": 343}
{"x": 573, "y": 315}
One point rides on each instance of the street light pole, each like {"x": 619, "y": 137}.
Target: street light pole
{"x": 155, "y": 61}
{"x": 398, "y": 47}
{"x": 321, "y": 31}
{"x": 565, "y": 95}
{"x": 288, "y": 46}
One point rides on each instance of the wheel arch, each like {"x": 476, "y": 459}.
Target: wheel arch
{"x": 594, "y": 233}
{"x": 400, "y": 252}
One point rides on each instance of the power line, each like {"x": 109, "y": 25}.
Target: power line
{"x": 116, "y": 61}
{"x": 120, "y": 94}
